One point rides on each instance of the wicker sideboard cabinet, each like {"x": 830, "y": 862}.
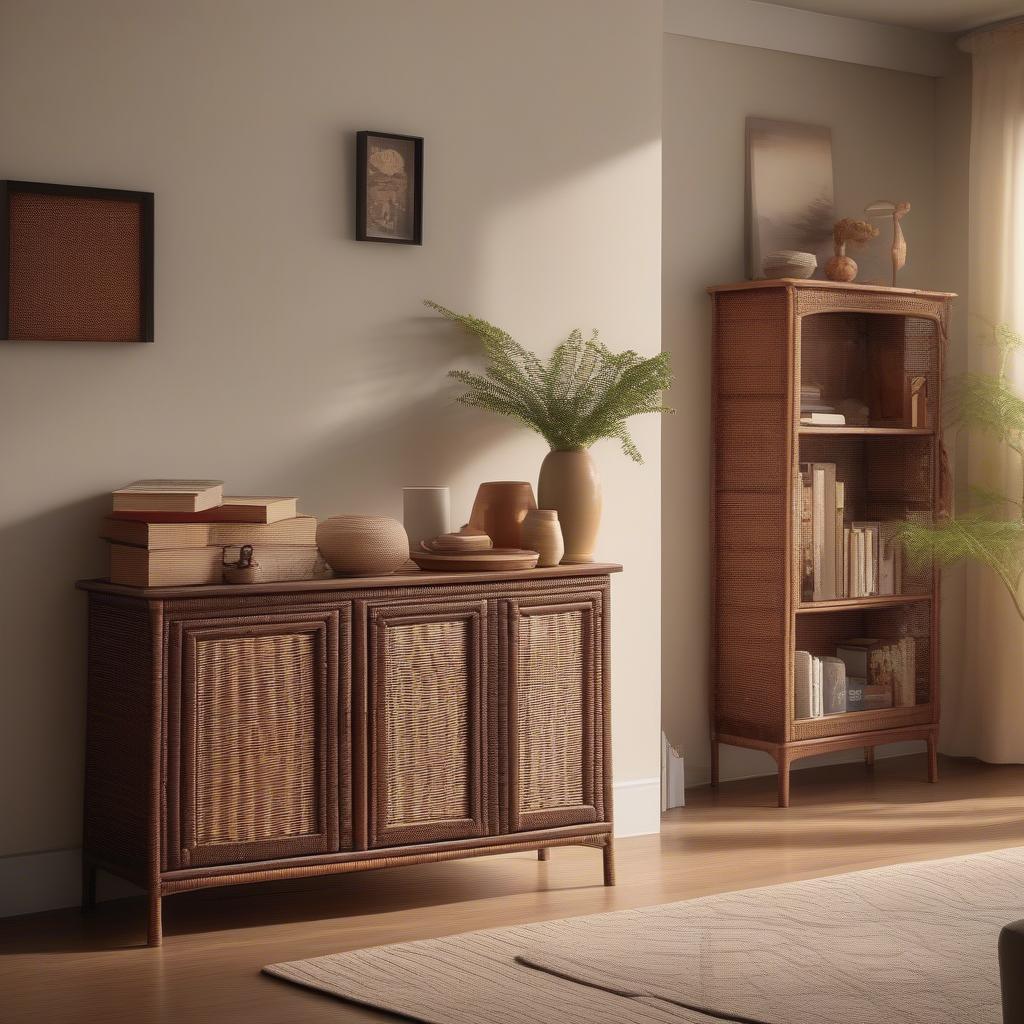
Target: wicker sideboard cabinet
{"x": 241, "y": 734}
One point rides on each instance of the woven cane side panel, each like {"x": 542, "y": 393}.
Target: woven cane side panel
{"x": 118, "y": 755}
{"x": 256, "y": 726}
{"x": 550, "y": 711}
{"x": 828, "y": 300}
{"x": 426, "y": 707}
{"x": 752, "y": 427}
{"x": 75, "y": 268}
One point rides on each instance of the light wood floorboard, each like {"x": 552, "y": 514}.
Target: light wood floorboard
{"x": 67, "y": 967}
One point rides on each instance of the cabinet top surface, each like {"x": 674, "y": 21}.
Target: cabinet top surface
{"x": 403, "y": 578}
{"x": 793, "y": 282}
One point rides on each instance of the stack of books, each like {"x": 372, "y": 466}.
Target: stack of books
{"x": 864, "y": 675}
{"x": 841, "y": 557}
{"x": 166, "y": 533}
{"x": 815, "y": 412}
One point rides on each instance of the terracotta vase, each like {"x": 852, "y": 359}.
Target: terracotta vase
{"x": 841, "y": 267}
{"x": 543, "y": 533}
{"x": 569, "y": 484}
{"x": 500, "y": 508}
{"x": 363, "y": 545}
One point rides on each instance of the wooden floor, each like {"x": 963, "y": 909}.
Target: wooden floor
{"x": 67, "y": 967}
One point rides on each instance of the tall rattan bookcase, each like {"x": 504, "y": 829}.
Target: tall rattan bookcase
{"x": 856, "y": 342}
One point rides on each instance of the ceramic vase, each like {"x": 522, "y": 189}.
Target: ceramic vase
{"x": 569, "y": 484}
{"x": 500, "y": 508}
{"x": 543, "y": 533}
{"x": 426, "y": 513}
{"x": 841, "y": 267}
{"x": 363, "y": 545}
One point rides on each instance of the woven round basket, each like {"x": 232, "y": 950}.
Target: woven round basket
{"x": 363, "y": 545}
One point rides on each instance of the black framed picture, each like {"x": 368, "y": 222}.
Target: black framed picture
{"x": 389, "y": 188}
{"x": 76, "y": 263}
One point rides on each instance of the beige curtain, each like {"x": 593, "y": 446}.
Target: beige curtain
{"x": 989, "y": 717}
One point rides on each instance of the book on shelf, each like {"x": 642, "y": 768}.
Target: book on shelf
{"x": 864, "y": 675}
{"x": 822, "y": 419}
{"x": 833, "y": 690}
{"x": 168, "y": 567}
{"x": 183, "y": 496}
{"x": 838, "y": 556}
{"x": 156, "y": 536}
{"x": 887, "y": 667}
{"x": 192, "y": 566}
{"x": 228, "y": 510}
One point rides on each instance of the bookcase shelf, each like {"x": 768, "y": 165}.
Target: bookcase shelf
{"x": 853, "y": 603}
{"x": 877, "y": 349}
{"x": 865, "y": 431}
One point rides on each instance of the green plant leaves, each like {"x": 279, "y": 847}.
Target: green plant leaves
{"x": 583, "y": 393}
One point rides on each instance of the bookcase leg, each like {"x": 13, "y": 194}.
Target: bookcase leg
{"x": 783, "y": 780}
{"x": 609, "y": 862}
{"x": 869, "y": 757}
{"x": 714, "y": 763}
{"x": 933, "y": 760}
{"x": 543, "y": 854}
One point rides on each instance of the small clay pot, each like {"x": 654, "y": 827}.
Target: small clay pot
{"x": 500, "y": 508}
{"x": 841, "y": 268}
{"x": 543, "y": 533}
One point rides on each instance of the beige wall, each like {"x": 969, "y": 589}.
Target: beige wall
{"x": 886, "y": 145}
{"x": 288, "y": 358}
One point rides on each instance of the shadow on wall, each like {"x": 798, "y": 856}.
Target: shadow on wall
{"x": 289, "y": 357}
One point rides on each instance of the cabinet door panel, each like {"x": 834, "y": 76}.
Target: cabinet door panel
{"x": 257, "y": 762}
{"x": 427, "y": 695}
{"x": 555, "y": 742}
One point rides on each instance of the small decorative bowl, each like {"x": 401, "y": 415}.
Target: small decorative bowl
{"x": 789, "y": 263}
{"x": 467, "y": 539}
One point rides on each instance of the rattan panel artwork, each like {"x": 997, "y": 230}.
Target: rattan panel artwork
{"x": 866, "y": 344}
{"x": 550, "y": 711}
{"x": 426, "y": 709}
{"x": 256, "y": 724}
{"x": 76, "y": 264}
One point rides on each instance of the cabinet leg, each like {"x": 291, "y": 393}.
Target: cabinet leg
{"x": 783, "y": 763}
{"x": 88, "y": 885}
{"x": 543, "y": 854}
{"x": 156, "y": 929}
{"x": 933, "y": 759}
{"x": 869, "y": 757}
{"x": 608, "y": 853}
{"x": 714, "y": 763}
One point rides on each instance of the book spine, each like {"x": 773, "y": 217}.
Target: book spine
{"x": 840, "y": 515}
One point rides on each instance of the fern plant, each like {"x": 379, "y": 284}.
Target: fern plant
{"x": 583, "y": 393}
{"x": 991, "y": 532}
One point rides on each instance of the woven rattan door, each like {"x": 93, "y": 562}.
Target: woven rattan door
{"x": 427, "y": 696}
{"x": 552, "y": 659}
{"x": 255, "y": 773}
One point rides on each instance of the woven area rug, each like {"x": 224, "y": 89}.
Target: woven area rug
{"x": 908, "y": 944}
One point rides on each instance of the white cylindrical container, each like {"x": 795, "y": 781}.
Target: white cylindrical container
{"x": 426, "y": 513}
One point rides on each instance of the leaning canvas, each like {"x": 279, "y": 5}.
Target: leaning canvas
{"x": 790, "y": 198}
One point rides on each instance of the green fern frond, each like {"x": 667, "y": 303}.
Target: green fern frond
{"x": 584, "y": 392}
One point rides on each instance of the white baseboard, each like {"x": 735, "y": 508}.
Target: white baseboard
{"x": 33, "y": 882}
{"x": 637, "y": 807}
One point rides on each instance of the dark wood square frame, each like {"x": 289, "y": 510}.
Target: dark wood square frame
{"x": 144, "y": 200}
{"x": 417, "y": 224}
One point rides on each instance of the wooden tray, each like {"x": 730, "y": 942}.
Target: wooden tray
{"x": 494, "y": 560}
